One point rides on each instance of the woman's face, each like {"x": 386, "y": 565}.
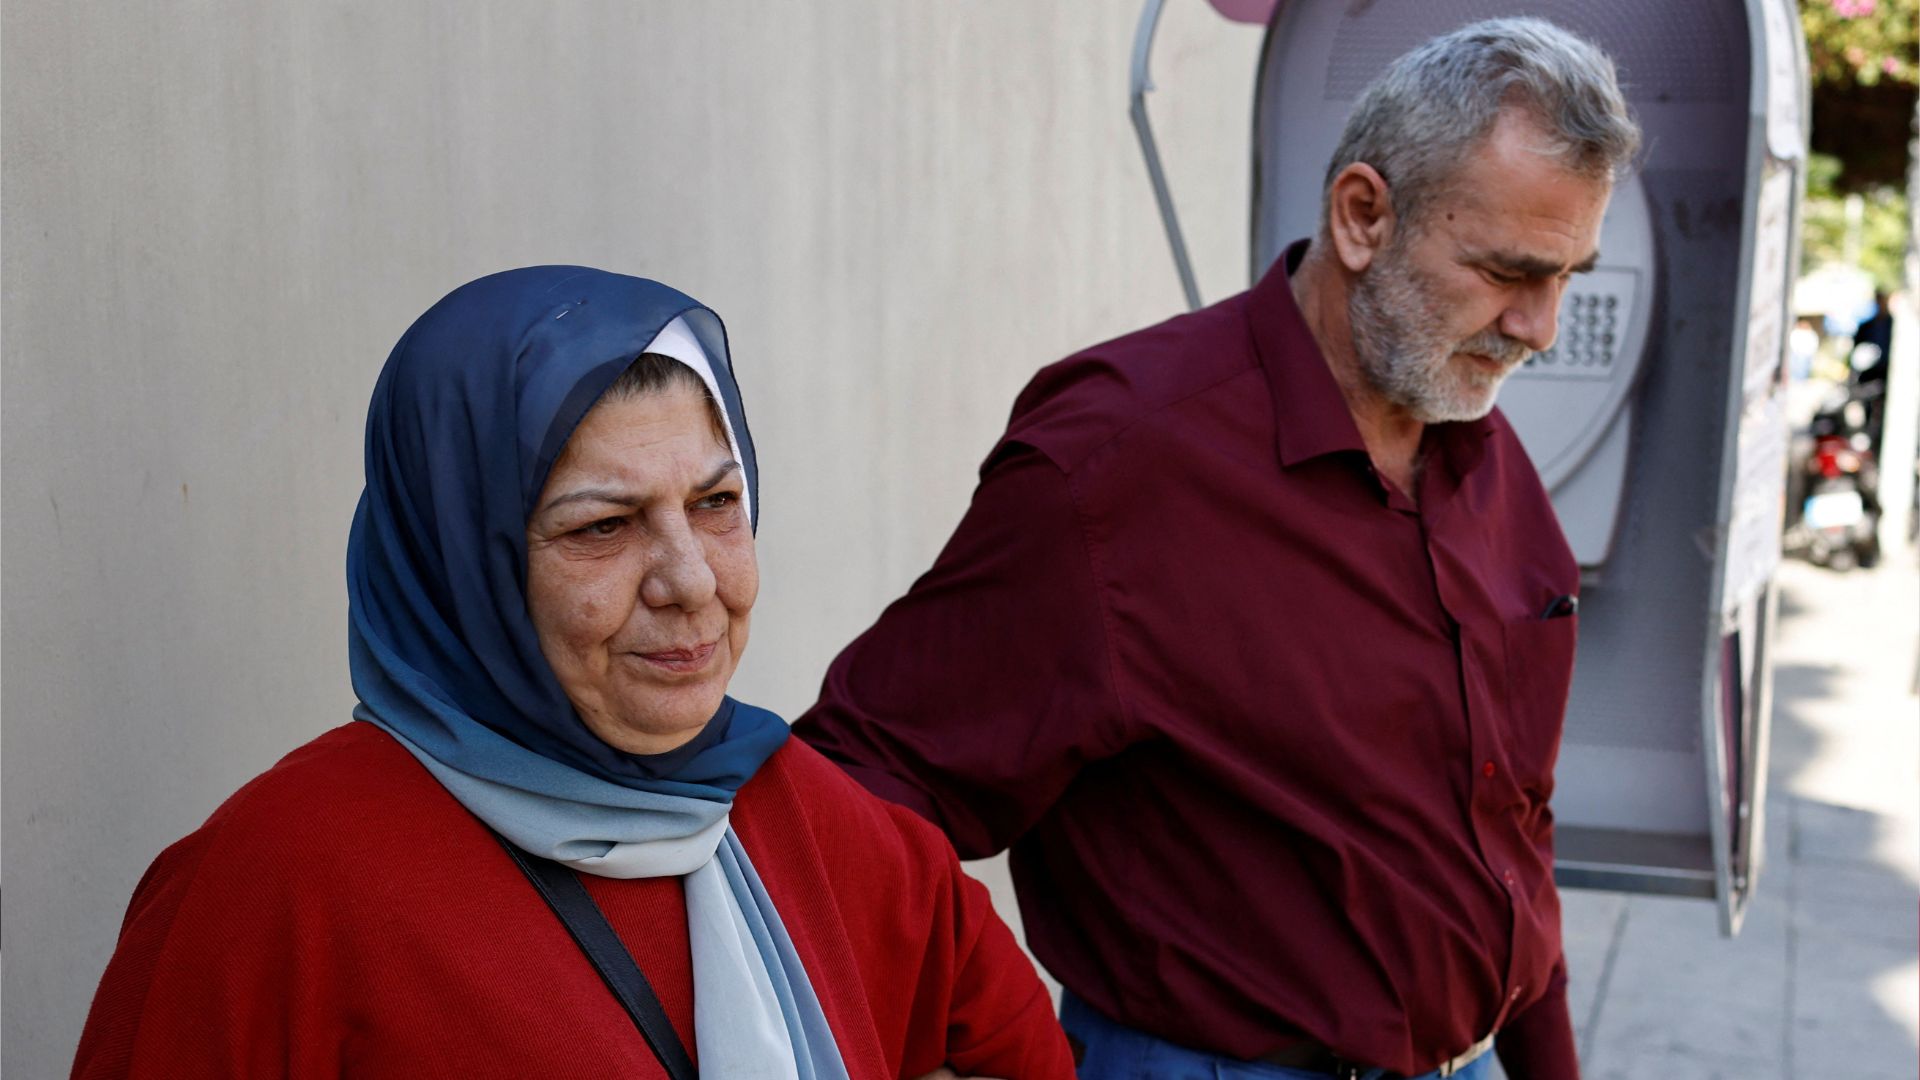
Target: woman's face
{"x": 641, "y": 571}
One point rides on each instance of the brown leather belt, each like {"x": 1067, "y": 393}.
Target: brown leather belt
{"x": 1314, "y": 1058}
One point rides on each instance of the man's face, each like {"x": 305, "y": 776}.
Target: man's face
{"x": 1450, "y": 307}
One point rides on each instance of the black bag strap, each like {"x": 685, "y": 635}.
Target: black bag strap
{"x": 563, "y": 891}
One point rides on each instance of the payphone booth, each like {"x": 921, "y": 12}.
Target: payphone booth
{"x": 1655, "y": 420}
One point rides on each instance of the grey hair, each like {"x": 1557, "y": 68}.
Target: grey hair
{"x": 654, "y": 373}
{"x": 1417, "y": 122}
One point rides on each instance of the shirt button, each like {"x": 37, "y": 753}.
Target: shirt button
{"x": 1515, "y": 996}
{"x": 1487, "y": 769}
{"x": 1506, "y": 876}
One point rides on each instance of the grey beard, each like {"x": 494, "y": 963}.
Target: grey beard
{"x": 1404, "y": 351}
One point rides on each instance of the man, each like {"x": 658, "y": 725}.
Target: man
{"x": 1255, "y": 642}
{"x": 1870, "y": 382}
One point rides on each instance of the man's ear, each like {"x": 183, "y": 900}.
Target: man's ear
{"x": 1360, "y": 217}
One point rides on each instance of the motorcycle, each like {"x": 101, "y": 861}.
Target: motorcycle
{"x": 1833, "y": 486}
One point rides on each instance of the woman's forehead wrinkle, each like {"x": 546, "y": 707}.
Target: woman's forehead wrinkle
{"x": 616, "y": 495}
{"x": 623, "y": 466}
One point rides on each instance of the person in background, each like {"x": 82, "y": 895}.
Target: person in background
{"x": 1255, "y": 643}
{"x": 1877, "y": 330}
{"x": 1803, "y": 344}
{"x": 1871, "y": 381}
{"x": 550, "y": 845}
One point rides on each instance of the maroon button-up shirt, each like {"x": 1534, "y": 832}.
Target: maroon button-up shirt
{"x": 1272, "y": 745}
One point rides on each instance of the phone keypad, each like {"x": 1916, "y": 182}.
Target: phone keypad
{"x": 1592, "y": 326}
{"x": 1590, "y": 331}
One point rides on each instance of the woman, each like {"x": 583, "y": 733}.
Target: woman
{"x": 550, "y": 576}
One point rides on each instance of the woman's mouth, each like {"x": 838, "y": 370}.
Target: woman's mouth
{"x": 684, "y": 660}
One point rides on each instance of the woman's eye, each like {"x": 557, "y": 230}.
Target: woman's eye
{"x": 604, "y": 527}
{"x": 719, "y": 500}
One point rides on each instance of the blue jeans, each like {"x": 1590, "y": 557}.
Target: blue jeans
{"x": 1116, "y": 1052}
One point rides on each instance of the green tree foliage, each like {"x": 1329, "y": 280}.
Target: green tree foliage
{"x": 1866, "y": 73}
{"x": 1867, "y": 229}
{"x": 1861, "y": 41}
{"x": 1865, "y": 61}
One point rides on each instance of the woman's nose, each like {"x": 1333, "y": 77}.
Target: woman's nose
{"x": 677, "y": 571}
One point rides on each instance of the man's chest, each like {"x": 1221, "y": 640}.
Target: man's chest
{"x": 1303, "y": 615}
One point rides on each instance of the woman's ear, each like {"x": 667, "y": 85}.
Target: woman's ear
{"x": 1360, "y": 217}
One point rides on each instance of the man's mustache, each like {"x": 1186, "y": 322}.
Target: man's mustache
{"x": 1496, "y": 346}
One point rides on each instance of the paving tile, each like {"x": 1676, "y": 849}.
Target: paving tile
{"x": 1867, "y": 1040}
{"x": 1691, "y": 1025}
{"x": 1865, "y": 884}
{"x": 1674, "y": 946}
{"x": 1823, "y": 832}
{"x": 1846, "y": 959}
{"x": 1588, "y": 922}
{"x": 1673, "y": 1064}
{"x": 1869, "y": 906}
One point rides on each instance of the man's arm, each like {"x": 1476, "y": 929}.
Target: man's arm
{"x": 1537, "y": 1044}
{"x": 979, "y": 695}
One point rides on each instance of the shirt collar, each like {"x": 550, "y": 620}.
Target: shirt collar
{"x": 1310, "y": 415}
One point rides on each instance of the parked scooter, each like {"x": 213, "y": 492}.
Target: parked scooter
{"x": 1833, "y": 483}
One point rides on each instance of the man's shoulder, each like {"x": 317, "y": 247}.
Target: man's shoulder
{"x": 1076, "y": 406}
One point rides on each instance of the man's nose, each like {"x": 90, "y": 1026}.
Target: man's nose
{"x": 1533, "y": 318}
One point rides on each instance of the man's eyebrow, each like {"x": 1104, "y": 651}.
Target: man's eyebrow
{"x": 1533, "y": 266}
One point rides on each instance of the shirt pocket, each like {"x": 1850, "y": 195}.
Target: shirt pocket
{"x": 1539, "y": 676}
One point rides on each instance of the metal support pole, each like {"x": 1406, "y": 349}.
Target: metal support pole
{"x": 1142, "y": 82}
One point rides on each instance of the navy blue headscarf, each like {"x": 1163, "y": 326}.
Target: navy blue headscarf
{"x": 475, "y": 404}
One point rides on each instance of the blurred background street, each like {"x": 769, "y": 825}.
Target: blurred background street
{"x": 1822, "y": 980}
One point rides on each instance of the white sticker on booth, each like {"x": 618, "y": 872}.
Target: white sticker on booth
{"x": 1767, "y": 301}
{"x": 1786, "y": 138}
{"x": 1759, "y": 502}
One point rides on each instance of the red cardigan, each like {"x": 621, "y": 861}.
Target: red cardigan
{"x": 342, "y": 914}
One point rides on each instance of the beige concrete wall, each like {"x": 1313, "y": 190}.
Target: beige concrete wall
{"x": 218, "y": 216}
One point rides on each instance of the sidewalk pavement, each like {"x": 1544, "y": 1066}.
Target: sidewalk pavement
{"x": 1824, "y": 978}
